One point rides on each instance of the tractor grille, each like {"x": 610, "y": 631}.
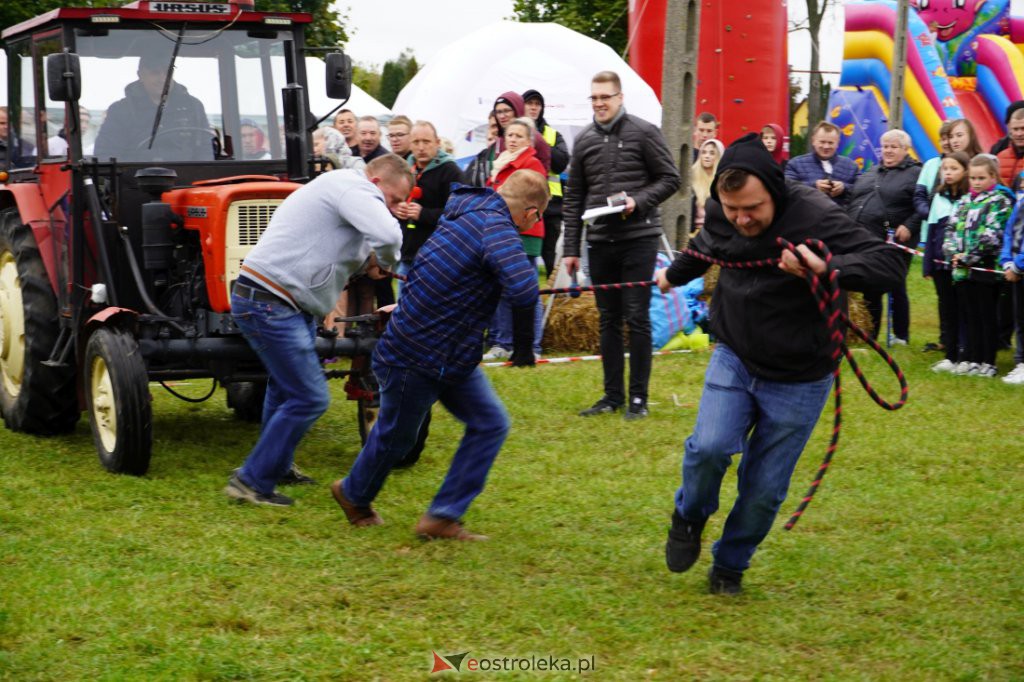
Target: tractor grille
{"x": 247, "y": 220}
{"x": 253, "y": 218}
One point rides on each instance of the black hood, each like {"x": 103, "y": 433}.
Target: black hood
{"x": 749, "y": 153}
{"x": 1014, "y": 106}
{"x": 535, "y": 94}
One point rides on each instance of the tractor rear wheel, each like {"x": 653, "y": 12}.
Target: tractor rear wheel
{"x": 34, "y": 398}
{"x": 118, "y": 400}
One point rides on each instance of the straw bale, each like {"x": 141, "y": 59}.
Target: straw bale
{"x": 859, "y": 315}
{"x": 573, "y": 325}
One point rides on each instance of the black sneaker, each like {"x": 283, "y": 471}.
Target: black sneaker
{"x": 723, "y": 581}
{"x": 602, "y": 406}
{"x": 683, "y": 545}
{"x": 238, "y": 490}
{"x": 296, "y": 477}
{"x": 637, "y": 409}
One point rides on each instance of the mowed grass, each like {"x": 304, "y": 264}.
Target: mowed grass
{"x": 907, "y": 565}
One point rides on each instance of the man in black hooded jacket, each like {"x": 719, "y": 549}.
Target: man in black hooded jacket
{"x": 184, "y": 133}
{"x": 771, "y": 372}
{"x": 533, "y": 105}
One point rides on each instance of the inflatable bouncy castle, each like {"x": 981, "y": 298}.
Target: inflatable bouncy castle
{"x": 964, "y": 60}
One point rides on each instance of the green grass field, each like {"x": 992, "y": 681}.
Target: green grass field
{"x": 907, "y": 565}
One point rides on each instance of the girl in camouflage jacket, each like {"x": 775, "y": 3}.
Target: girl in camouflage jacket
{"x": 973, "y": 240}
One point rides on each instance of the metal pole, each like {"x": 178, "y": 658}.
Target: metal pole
{"x": 679, "y": 101}
{"x": 899, "y": 66}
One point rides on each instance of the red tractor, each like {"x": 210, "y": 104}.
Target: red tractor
{"x": 145, "y": 151}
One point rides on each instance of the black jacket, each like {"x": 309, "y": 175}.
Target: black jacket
{"x": 23, "y": 155}
{"x": 479, "y": 169}
{"x": 883, "y": 199}
{"x": 769, "y": 317}
{"x": 630, "y": 157}
{"x": 129, "y": 124}
{"x": 436, "y": 185}
{"x": 377, "y": 152}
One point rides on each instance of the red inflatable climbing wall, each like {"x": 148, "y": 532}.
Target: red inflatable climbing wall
{"x": 743, "y": 65}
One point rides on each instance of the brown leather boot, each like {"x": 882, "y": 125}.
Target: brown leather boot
{"x": 357, "y": 516}
{"x": 437, "y": 528}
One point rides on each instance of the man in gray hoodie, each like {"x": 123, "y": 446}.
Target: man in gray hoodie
{"x": 318, "y": 237}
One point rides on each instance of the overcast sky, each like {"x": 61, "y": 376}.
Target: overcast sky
{"x": 381, "y": 29}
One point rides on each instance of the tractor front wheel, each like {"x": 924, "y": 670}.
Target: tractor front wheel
{"x": 118, "y": 400}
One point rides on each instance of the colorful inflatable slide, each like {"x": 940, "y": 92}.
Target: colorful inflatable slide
{"x": 964, "y": 60}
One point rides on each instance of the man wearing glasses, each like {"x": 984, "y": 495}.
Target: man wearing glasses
{"x": 398, "y": 136}
{"x": 625, "y": 159}
{"x": 430, "y": 351}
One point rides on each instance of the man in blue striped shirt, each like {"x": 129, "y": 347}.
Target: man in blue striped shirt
{"x": 433, "y": 343}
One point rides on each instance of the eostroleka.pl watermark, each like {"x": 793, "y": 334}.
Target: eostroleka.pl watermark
{"x": 465, "y": 663}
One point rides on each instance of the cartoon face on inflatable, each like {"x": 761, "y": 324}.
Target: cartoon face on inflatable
{"x": 948, "y": 18}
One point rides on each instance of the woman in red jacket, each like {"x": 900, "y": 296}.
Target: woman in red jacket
{"x": 518, "y": 154}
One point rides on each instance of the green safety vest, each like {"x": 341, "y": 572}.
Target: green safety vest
{"x": 554, "y": 179}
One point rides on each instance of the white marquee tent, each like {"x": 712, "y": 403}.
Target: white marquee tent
{"x": 456, "y": 89}
{"x": 361, "y": 103}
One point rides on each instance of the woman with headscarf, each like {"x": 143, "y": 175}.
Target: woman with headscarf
{"x": 772, "y": 137}
{"x": 329, "y": 144}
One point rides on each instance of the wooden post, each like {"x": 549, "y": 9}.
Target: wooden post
{"x": 899, "y": 66}
{"x": 678, "y": 101}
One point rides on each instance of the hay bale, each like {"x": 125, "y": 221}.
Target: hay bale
{"x": 710, "y": 281}
{"x": 859, "y": 315}
{"x": 573, "y": 325}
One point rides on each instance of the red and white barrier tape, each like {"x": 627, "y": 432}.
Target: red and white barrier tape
{"x": 578, "y": 358}
{"x": 938, "y": 260}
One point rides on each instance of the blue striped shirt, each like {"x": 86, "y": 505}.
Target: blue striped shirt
{"x": 473, "y": 258}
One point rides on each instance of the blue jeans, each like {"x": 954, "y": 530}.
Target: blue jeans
{"x": 406, "y": 397}
{"x": 500, "y": 333}
{"x": 770, "y": 423}
{"x": 296, "y": 392}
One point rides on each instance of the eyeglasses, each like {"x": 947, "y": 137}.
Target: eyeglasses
{"x": 602, "y": 98}
{"x": 504, "y": 111}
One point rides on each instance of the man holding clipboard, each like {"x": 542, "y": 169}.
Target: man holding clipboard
{"x": 622, "y": 162}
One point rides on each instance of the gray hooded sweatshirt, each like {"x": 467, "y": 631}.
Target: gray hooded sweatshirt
{"x": 321, "y": 234}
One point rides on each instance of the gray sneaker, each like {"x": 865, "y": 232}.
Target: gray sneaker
{"x": 295, "y": 476}
{"x": 238, "y": 490}
{"x": 496, "y": 353}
